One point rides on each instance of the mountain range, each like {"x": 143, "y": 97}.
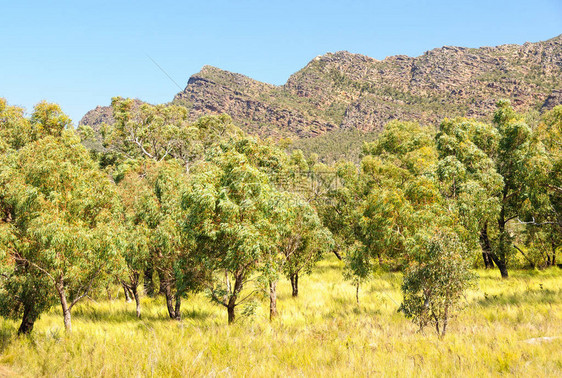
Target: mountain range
{"x": 342, "y": 91}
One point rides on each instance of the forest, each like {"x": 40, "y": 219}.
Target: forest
{"x": 449, "y": 228}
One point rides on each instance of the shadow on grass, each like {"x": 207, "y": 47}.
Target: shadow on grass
{"x": 7, "y": 334}
{"x": 520, "y": 274}
{"x": 529, "y": 297}
{"x": 95, "y": 314}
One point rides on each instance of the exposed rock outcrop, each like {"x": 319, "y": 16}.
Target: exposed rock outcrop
{"x": 350, "y": 91}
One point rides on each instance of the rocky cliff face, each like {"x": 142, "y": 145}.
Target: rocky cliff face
{"x": 354, "y": 92}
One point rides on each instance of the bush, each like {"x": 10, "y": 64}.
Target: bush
{"x": 434, "y": 284}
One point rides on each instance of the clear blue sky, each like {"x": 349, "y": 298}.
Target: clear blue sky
{"x": 81, "y": 53}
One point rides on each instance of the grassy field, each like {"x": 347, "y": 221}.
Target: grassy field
{"x": 321, "y": 333}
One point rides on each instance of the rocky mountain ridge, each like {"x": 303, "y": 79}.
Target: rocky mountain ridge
{"x": 345, "y": 91}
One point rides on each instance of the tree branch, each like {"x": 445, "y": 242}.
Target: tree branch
{"x": 138, "y": 143}
{"x": 86, "y": 291}
{"x": 534, "y": 223}
{"x": 246, "y": 297}
{"x": 524, "y": 255}
{"x": 19, "y": 258}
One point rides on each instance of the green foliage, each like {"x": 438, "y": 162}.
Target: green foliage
{"x": 301, "y": 237}
{"x": 229, "y": 206}
{"x": 160, "y": 132}
{"x": 434, "y": 283}
{"x": 56, "y": 225}
{"x": 61, "y": 214}
{"x": 467, "y": 174}
{"x": 206, "y": 207}
{"x": 336, "y": 145}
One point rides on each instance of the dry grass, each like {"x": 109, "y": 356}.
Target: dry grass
{"x": 323, "y": 332}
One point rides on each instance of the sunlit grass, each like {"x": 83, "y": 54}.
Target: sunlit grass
{"x": 323, "y": 332}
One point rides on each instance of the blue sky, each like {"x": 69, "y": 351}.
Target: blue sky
{"x": 81, "y": 53}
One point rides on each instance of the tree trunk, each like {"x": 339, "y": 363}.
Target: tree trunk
{"x": 231, "y": 316}
{"x": 231, "y": 304}
{"x": 177, "y": 309}
{"x": 501, "y": 264}
{"x": 64, "y": 305}
{"x": 169, "y": 299}
{"x": 135, "y": 291}
{"x": 486, "y": 248}
{"x": 163, "y": 282}
{"x": 272, "y": 300}
{"x": 295, "y": 284}
{"x": 148, "y": 281}
{"x": 445, "y": 320}
{"x": 357, "y": 292}
{"x": 28, "y": 320}
{"x": 501, "y": 257}
{"x": 127, "y": 293}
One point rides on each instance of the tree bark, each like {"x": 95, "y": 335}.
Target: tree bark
{"x": 231, "y": 304}
{"x": 177, "y": 309}
{"x": 501, "y": 257}
{"x": 231, "y": 315}
{"x": 445, "y": 320}
{"x": 295, "y": 284}
{"x": 64, "y": 305}
{"x": 135, "y": 291}
{"x": 127, "y": 293}
{"x": 28, "y": 320}
{"x": 501, "y": 264}
{"x": 272, "y": 300}
{"x": 163, "y": 282}
{"x": 169, "y": 300}
{"x": 486, "y": 248}
{"x": 148, "y": 281}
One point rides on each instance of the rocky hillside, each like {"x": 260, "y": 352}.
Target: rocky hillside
{"x": 344, "y": 91}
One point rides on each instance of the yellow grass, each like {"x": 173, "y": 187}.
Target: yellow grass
{"x": 322, "y": 333}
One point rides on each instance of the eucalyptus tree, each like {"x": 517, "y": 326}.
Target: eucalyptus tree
{"x": 229, "y": 207}
{"x": 338, "y": 210}
{"x": 152, "y": 194}
{"x": 135, "y": 233}
{"x": 21, "y": 289}
{"x": 512, "y": 158}
{"x": 159, "y": 133}
{"x": 468, "y": 178}
{"x": 375, "y": 210}
{"x": 303, "y": 243}
{"x": 435, "y": 282}
{"x": 486, "y": 174}
{"x": 301, "y": 239}
{"x": 542, "y": 211}
{"x": 400, "y": 192}
{"x": 24, "y": 291}
{"x": 62, "y": 222}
